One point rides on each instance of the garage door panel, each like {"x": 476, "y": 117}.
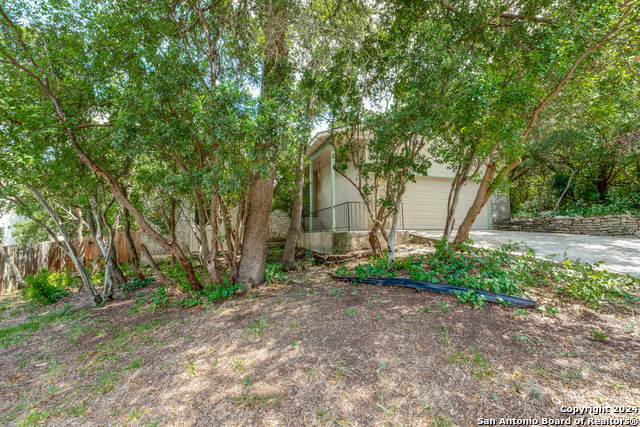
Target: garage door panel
{"x": 425, "y": 204}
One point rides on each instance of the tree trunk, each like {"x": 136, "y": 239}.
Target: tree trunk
{"x": 486, "y": 189}
{"x": 107, "y": 289}
{"x": 118, "y": 275}
{"x": 80, "y": 232}
{"x": 254, "y": 248}
{"x": 461, "y": 178}
{"x": 172, "y": 227}
{"x": 70, "y": 248}
{"x": 96, "y": 264}
{"x": 275, "y": 70}
{"x": 602, "y": 183}
{"x": 555, "y": 208}
{"x": 289, "y": 253}
{"x": 135, "y": 257}
{"x": 208, "y": 258}
{"x": 214, "y": 245}
{"x": 374, "y": 241}
{"x": 452, "y": 206}
{"x": 14, "y": 269}
{"x": 482, "y": 196}
{"x": 392, "y": 237}
{"x": 161, "y": 276}
{"x": 112, "y": 274}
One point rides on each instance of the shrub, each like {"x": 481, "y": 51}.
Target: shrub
{"x": 135, "y": 284}
{"x": 617, "y": 203}
{"x": 211, "y": 294}
{"x": 178, "y": 275}
{"x": 274, "y": 272}
{"x": 47, "y": 287}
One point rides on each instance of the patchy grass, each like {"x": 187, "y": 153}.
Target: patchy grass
{"x": 307, "y": 350}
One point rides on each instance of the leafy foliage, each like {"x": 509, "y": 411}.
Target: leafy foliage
{"x": 509, "y": 270}
{"x": 211, "y": 294}
{"x": 135, "y": 284}
{"x": 178, "y": 275}
{"x": 274, "y": 272}
{"x": 47, "y": 287}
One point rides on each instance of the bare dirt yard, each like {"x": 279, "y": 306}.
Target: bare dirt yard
{"x": 309, "y": 350}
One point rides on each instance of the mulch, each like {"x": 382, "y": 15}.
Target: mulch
{"x": 329, "y": 353}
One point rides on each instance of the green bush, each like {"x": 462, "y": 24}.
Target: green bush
{"x": 178, "y": 275}
{"x": 617, "y": 204}
{"x": 135, "y": 284}
{"x": 210, "y": 294}
{"x": 47, "y": 287}
{"x": 274, "y": 272}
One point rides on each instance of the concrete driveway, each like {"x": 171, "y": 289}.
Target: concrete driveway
{"x": 622, "y": 254}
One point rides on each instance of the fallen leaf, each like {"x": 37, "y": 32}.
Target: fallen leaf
{"x": 15, "y": 378}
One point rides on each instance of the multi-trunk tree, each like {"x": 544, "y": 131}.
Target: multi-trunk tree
{"x": 171, "y": 86}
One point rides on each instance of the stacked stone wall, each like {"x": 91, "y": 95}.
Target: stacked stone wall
{"x": 500, "y": 208}
{"x": 607, "y": 225}
{"x": 277, "y": 232}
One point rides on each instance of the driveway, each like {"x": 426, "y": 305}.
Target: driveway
{"x": 622, "y": 253}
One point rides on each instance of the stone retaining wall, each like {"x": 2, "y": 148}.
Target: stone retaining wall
{"x": 278, "y": 227}
{"x": 608, "y": 225}
{"x": 500, "y": 208}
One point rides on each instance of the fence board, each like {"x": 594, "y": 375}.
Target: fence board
{"x": 32, "y": 258}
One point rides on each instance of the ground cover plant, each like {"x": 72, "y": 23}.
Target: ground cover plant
{"x": 308, "y": 350}
{"x": 513, "y": 269}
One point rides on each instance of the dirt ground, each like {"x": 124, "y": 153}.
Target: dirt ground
{"x": 314, "y": 351}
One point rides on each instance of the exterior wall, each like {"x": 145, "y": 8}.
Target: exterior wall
{"x": 322, "y": 189}
{"x": 341, "y": 242}
{"x": 345, "y": 191}
{"x": 438, "y": 170}
{"x": 424, "y": 202}
{"x": 322, "y": 200}
{"x": 6, "y": 223}
{"x": 608, "y": 225}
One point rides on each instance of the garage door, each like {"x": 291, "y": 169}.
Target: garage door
{"x": 425, "y": 205}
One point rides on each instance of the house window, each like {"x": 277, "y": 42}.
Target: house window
{"x": 1, "y": 233}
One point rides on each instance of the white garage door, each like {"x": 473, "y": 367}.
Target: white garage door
{"x": 425, "y": 205}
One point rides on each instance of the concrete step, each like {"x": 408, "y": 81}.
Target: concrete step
{"x": 317, "y": 223}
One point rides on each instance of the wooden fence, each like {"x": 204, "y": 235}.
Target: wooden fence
{"x": 32, "y": 258}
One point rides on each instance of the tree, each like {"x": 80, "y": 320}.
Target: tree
{"x": 500, "y": 66}
{"x": 578, "y": 37}
{"x": 272, "y": 126}
{"x": 588, "y": 138}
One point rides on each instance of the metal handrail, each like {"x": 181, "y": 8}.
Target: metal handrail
{"x": 349, "y": 216}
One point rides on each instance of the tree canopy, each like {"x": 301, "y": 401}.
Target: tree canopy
{"x": 156, "y": 112}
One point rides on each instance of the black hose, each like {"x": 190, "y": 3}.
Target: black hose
{"x": 440, "y": 287}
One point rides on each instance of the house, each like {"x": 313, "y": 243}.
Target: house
{"x": 7, "y": 221}
{"x": 336, "y": 219}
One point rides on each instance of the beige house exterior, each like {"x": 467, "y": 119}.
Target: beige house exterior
{"x": 335, "y": 206}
